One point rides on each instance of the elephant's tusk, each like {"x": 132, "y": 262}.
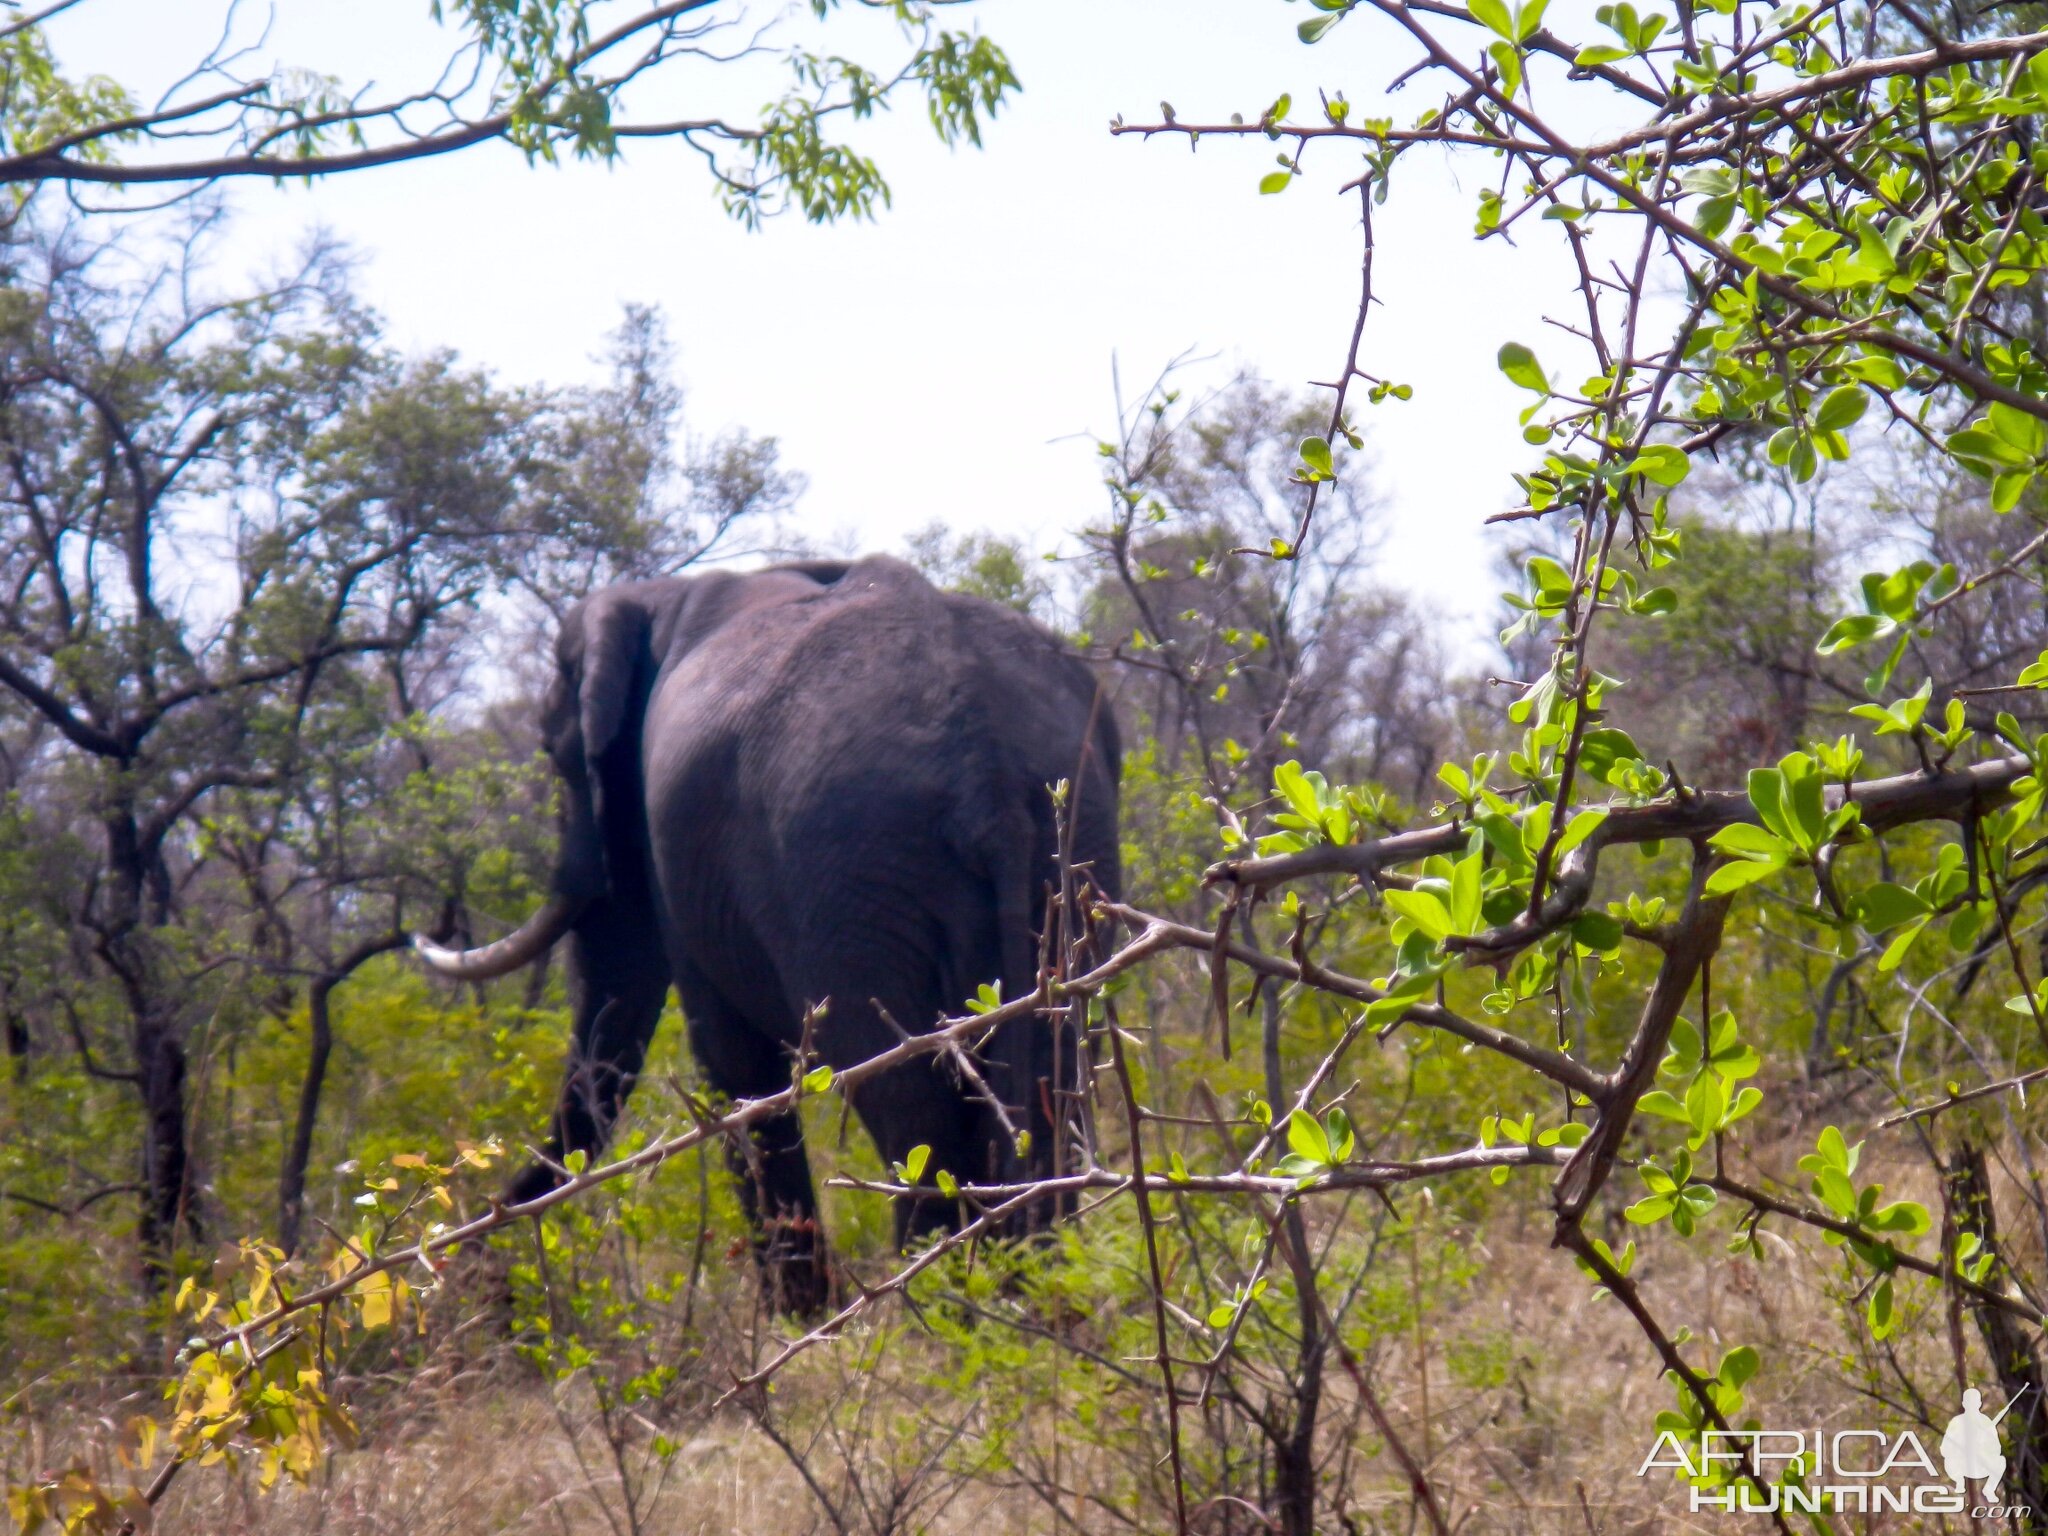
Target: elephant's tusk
{"x": 534, "y": 938}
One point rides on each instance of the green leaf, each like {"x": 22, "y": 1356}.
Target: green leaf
{"x": 1655, "y": 602}
{"x": 1603, "y": 748}
{"x": 1315, "y": 453}
{"x": 913, "y": 1165}
{"x": 1895, "y": 952}
{"x": 1521, "y": 367}
{"x": 1738, "y": 1365}
{"x": 1551, "y": 581}
{"x": 1805, "y": 804}
{"x": 1298, "y": 789}
{"x": 817, "y": 1080}
{"x": 1504, "y": 837}
{"x": 1733, "y": 877}
{"x": 1904, "y": 1216}
{"x": 1842, "y": 408}
{"x": 2022, "y": 429}
{"x": 1342, "y": 1139}
{"x": 1985, "y": 451}
{"x": 1465, "y": 894}
{"x": 1833, "y": 1149}
{"x": 1704, "y": 1103}
{"x": 1885, "y": 905}
{"x": 1600, "y": 932}
{"x": 1507, "y": 58}
{"x": 1579, "y": 828}
{"x": 1306, "y": 1138}
{"x": 1665, "y": 1105}
{"x": 1665, "y": 464}
{"x": 1833, "y": 1186}
{"x": 1494, "y": 14}
{"x": 1883, "y": 1320}
{"x": 1424, "y": 911}
{"x": 2009, "y": 487}
{"x": 1767, "y": 794}
{"x": 1274, "y": 181}
{"x": 1399, "y": 1000}
{"x": 1312, "y": 30}
{"x": 1852, "y": 631}
{"x": 1725, "y": 1051}
{"x": 1653, "y": 1209}
{"x": 1749, "y": 841}
{"x": 1744, "y": 1102}
{"x": 1841, "y": 1152}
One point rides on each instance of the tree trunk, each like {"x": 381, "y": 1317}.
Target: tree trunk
{"x": 17, "y": 1042}
{"x": 2007, "y": 1340}
{"x": 167, "y": 1205}
{"x": 291, "y": 1184}
{"x": 136, "y": 904}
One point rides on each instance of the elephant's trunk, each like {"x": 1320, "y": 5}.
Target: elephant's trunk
{"x": 534, "y": 938}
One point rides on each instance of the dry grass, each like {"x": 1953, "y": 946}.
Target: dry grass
{"x": 1529, "y": 1398}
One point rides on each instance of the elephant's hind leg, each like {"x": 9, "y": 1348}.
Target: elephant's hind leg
{"x": 921, "y": 1103}
{"x": 773, "y": 1170}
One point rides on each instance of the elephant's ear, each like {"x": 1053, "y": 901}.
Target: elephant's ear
{"x": 615, "y": 640}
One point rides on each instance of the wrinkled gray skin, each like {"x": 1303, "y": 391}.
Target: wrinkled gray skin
{"x": 819, "y": 782}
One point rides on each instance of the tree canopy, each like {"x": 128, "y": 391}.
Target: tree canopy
{"x": 547, "y": 77}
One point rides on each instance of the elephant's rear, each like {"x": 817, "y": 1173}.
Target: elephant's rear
{"x": 893, "y": 759}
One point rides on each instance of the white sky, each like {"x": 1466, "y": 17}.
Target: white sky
{"x": 937, "y": 364}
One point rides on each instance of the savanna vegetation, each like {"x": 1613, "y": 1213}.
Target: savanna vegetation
{"x": 1512, "y": 1049}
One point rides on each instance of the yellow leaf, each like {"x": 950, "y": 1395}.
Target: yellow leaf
{"x": 145, "y": 1431}
{"x": 375, "y": 1300}
{"x": 301, "y": 1455}
{"x": 220, "y": 1398}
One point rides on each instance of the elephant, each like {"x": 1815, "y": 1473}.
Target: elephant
{"x": 820, "y": 783}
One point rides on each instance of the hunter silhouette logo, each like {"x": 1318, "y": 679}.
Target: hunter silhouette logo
{"x": 1970, "y": 1448}
{"x": 1849, "y": 1471}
